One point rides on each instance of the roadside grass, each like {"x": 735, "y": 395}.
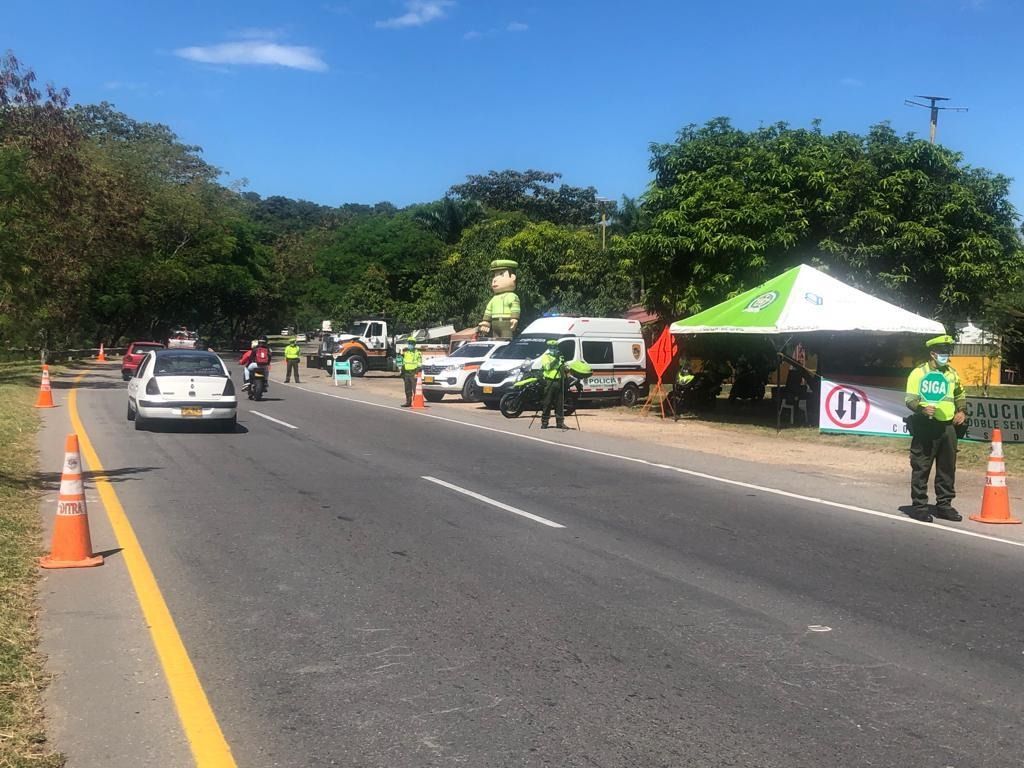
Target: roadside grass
{"x": 22, "y": 737}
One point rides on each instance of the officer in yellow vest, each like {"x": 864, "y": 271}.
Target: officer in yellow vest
{"x": 292, "y": 353}
{"x": 938, "y": 401}
{"x": 412, "y": 363}
{"x": 552, "y": 366}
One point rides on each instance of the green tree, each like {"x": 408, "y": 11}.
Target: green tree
{"x": 531, "y": 192}
{"x": 896, "y": 216}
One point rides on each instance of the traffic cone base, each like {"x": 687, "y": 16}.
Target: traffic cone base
{"x": 72, "y": 544}
{"x": 45, "y": 399}
{"x": 995, "y": 501}
{"x": 417, "y": 398}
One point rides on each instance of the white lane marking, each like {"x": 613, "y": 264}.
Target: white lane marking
{"x": 494, "y": 503}
{"x": 690, "y": 472}
{"x": 819, "y": 628}
{"x": 271, "y": 418}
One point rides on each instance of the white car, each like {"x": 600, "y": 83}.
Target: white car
{"x": 456, "y": 373}
{"x": 182, "y": 385}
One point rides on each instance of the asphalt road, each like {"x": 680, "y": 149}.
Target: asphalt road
{"x": 342, "y": 610}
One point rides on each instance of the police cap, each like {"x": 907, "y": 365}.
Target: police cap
{"x": 500, "y": 265}
{"x": 940, "y": 341}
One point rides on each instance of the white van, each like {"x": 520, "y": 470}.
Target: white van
{"x": 456, "y": 373}
{"x": 614, "y": 349}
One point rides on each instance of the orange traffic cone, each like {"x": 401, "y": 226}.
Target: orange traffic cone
{"x": 72, "y": 545}
{"x": 417, "y": 397}
{"x": 101, "y": 357}
{"x": 45, "y": 399}
{"x": 995, "y": 502}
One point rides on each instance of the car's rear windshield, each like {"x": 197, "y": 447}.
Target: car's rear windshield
{"x": 521, "y": 349}
{"x": 472, "y": 350}
{"x": 143, "y": 348}
{"x": 196, "y": 364}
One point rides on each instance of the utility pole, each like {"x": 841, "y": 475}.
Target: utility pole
{"x": 604, "y": 218}
{"x": 932, "y": 105}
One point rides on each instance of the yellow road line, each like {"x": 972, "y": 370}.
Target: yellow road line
{"x": 209, "y": 747}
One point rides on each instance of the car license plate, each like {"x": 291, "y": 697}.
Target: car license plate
{"x": 488, "y": 390}
{"x": 428, "y": 379}
{"x": 191, "y": 411}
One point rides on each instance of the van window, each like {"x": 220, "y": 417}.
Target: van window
{"x": 568, "y": 348}
{"x": 598, "y": 352}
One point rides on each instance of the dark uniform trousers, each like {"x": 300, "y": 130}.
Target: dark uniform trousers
{"x": 554, "y": 392}
{"x": 410, "y": 385}
{"x": 293, "y": 367}
{"x": 933, "y": 442}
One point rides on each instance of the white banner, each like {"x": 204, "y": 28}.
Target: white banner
{"x": 862, "y": 410}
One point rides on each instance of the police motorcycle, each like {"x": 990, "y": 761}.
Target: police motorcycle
{"x": 696, "y": 392}
{"x": 527, "y": 393}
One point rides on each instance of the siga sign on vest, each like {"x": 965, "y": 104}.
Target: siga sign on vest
{"x": 934, "y": 387}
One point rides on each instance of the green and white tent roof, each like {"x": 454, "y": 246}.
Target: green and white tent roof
{"x": 803, "y": 300}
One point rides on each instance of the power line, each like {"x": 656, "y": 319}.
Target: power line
{"x": 935, "y": 109}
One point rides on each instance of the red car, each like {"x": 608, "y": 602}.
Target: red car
{"x": 133, "y": 356}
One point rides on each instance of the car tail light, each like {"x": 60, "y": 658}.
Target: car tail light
{"x": 152, "y": 388}
{"x": 229, "y": 388}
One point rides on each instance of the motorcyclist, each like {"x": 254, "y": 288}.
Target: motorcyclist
{"x": 258, "y": 357}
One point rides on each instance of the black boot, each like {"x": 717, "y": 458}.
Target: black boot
{"x": 919, "y": 513}
{"x": 948, "y": 513}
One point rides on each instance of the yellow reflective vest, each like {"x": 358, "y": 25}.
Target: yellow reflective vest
{"x": 954, "y": 399}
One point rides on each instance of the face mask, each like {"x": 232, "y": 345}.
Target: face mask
{"x": 942, "y": 359}
{"x": 410, "y": 347}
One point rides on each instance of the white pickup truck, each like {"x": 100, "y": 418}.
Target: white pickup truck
{"x": 455, "y": 374}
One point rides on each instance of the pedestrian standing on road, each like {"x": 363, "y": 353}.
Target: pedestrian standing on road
{"x": 552, "y": 366}
{"x": 292, "y": 353}
{"x": 938, "y": 401}
{"x": 412, "y": 364}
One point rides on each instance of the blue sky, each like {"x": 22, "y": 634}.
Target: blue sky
{"x": 366, "y": 100}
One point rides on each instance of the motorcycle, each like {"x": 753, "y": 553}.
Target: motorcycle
{"x": 257, "y": 383}
{"x": 527, "y": 393}
{"x": 699, "y": 393}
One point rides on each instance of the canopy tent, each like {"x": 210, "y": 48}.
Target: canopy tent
{"x": 803, "y": 300}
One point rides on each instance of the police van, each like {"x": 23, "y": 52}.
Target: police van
{"x": 614, "y": 348}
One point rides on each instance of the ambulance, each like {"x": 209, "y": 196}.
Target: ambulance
{"x": 614, "y": 348}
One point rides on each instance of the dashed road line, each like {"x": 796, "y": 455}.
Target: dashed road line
{"x": 494, "y": 502}
{"x": 271, "y": 418}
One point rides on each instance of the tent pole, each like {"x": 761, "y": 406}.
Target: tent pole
{"x": 778, "y": 384}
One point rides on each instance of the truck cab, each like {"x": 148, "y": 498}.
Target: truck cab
{"x": 367, "y": 346}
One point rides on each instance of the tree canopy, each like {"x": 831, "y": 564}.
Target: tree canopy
{"x": 112, "y": 228}
{"x": 896, "y": 216}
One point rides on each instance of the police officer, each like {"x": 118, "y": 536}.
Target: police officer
{"x": 552, "y": 366}
{"x": 292, "y": 353}
{"x": 938, "y": 401}
{"x": 412, "y": 363}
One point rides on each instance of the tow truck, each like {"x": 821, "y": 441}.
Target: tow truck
{"x": 372, "y": 345}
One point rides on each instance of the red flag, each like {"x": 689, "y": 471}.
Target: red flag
{"x": 662, "y": 353}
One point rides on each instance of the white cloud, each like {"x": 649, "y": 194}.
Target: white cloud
{"x": 472, "y": 35}
{"x": 517, "y": 26}
{"x": 417, "y": 13}
{"x": 852, "y": 82}
{"x": 256, "y": 52}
